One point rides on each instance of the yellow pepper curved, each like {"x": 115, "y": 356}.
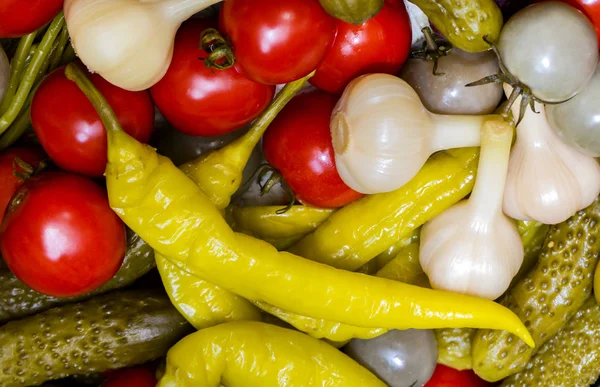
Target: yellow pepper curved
{"x": 168, "y": 210}
{"x": 200, "y": 302}
{"x": 252, "y": 354}
{"x": 220, "y": 172}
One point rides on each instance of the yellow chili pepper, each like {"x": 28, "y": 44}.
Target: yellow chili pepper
{"x": 252, "y": 354}
{"x": 279, "y": 229}
{"x": 363, "y": 229}
{"x": 166, "y": 208}
{"x": 220, "y": 172}
{"x": 200, "y": 302}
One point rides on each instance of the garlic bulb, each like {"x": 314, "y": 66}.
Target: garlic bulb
{"x": 128, "y": 42}
{"x": 547, "y": 181}
{"x": 473, "y": 248}
{"x": 382, "y": 134}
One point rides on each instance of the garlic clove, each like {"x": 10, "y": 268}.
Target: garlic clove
{"x": 547, "y": 181}
{"x": 368, "y": 138}
{"x": 382, "y": 134}
{"x": 473, "y": 248}
{"x": 474, "y": 256}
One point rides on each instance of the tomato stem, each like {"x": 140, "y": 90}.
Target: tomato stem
{"x": 273, "y": 180}
{"x": 433, "y": 49}
{"x": 220, "y": 54}
{"x": 32, "y": 72}
{"x": 519, "y": 88}
{"x": 74, "y": 73}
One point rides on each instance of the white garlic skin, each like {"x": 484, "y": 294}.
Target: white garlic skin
{"x": 382, "y": 134}
{"x": 469, "y": 254}
{"x": 128, "y": 42}
{"x": 547, "y": 180}
{"x": 361, "y": 122}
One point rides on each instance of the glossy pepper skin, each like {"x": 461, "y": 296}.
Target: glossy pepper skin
{"x": 176, "y": 218}
{"x": 200, "y": 302}
{"x": 251, "y": 354}
{"x": 279, "y": 229}
{"x": 364, "y": 229}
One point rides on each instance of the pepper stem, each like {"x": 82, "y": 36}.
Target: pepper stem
{"x": 245, "y": 144}
{"x": 74, "y": 73}
{"x": 220, "y": 54}
{"x": 433, "y": 49}
{"x": 273, "y": 180}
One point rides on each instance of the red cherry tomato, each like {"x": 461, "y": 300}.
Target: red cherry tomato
{"x": 379, "y": 45}
{"x": 449, "y": 377}
{"x": 591, "y": 9}
{"x": 60, "y": 237}
{"x": 9, "y": 182}
{"x": 71, "y": 131}
{"x": 200, "y": 101}
{"x": 131, "y": 377}
{"x": 21, "y": 17}
{"x": 277, "y": 41}
{"x": 298, "y": 144}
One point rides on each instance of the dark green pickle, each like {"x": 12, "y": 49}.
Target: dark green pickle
{"x": 546, "y": 298}
{"x": 112, "y": 331}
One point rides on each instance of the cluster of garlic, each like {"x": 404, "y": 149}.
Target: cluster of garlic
{"x": 382, "y": 136}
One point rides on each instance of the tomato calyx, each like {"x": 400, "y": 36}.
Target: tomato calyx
{"x": 519, "y": 89}
{"x": 28, "y": 171}
{"x": 220, "y": 54}
{"x": 433, "y": 49}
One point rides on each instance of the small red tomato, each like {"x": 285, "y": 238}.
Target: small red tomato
{"x": 277, "y": 41}
{"x": 21, "y": 17}
{"x": 200, "y": 101}
{"x": 71, "y": 131}
{"x": 9, "y": 182}
{"x": 298, "y": 144}
{"x": 60, "y": 236}
{"x": 449, "y": 377}
{"x": 379, "y": 45}
{"x": 131, "y": 377}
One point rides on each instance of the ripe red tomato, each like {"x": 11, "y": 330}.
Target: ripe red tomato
{"x": 298, "y": 144}
{"x": 131, "y": 377}
{"x": 591, "y": 9}
{"x": 19, "y": 17}
{"x": 379, "y": 45}
{"x": 71, "y": 131}
{"x": 200, "y": 101}
{"x": 277, "y": 41}
{"x": 449, "y": 377}
{"x": 60, "y": 237}
{"x": 9, "y": 183}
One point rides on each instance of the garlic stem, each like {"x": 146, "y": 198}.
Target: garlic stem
{"x": 488, "y": 193}
{"x": 182, "y": 10}
{"x": 456, "y": 131}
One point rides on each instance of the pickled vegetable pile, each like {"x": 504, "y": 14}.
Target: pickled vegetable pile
{"x": 299, "y": 193}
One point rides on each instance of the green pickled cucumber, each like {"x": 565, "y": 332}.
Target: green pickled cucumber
{"x": 570, "y": 358}
{"x": 464, "y": 22}
{"x": 111, "y": 331}
{"x": 17, "y": 300}
{"x": 352, "y": 11}
{"x": 546, "y": 298}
